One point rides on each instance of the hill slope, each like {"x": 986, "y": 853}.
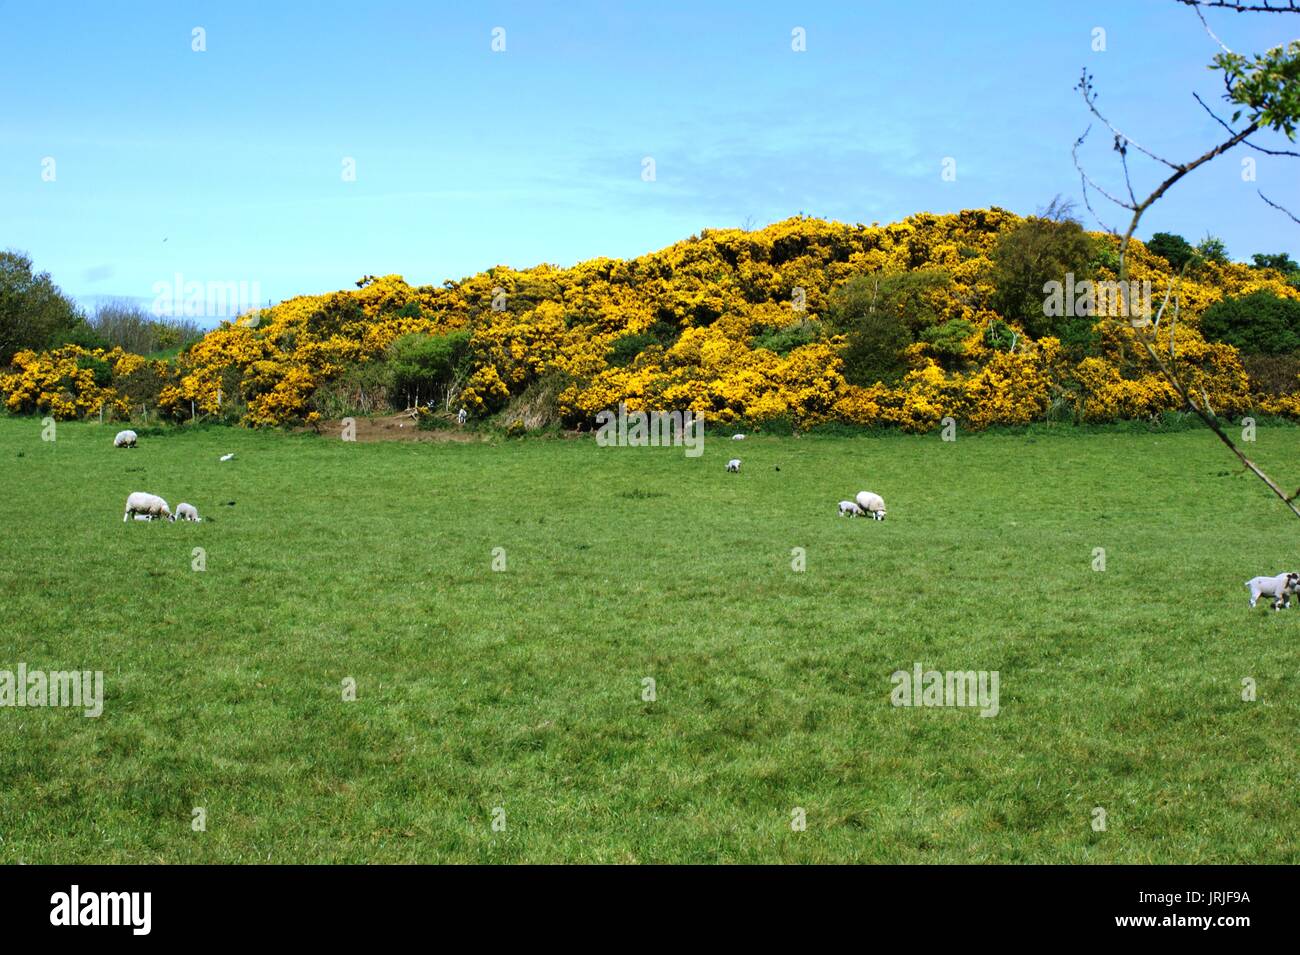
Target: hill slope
{"x": 731, "y": 323}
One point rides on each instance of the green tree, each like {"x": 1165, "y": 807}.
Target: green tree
{"x": 1174, "y": 249}
{"x": 34, "y": 313}
{"x": 1281, "y": 261}
{"x": 881, "y": 315}
{"x": 1212, "y": 249}
{"x": 1038, "y": 251}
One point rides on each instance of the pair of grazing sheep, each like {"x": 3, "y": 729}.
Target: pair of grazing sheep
{"x": 148, "y": 507}
{"x": 1279, "y": 587}
{"x": 867, "y": 504}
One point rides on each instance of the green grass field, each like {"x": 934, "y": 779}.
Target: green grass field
{"x": 522, "y": 689}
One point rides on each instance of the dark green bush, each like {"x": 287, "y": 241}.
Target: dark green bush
{"x": 103, "y": 370}
{"x": 999, "y": 335}
{"x": 880, "y": 315}
{"x": 948, "y": 340}
{"x": 785, "y": 340}
{"x": 625, "y": 350}
{"x": 1260, "y": 323}
{"x": 1078, "y": 335}
{"x": 1174, "y": 249}
{"x": 80, "y": 334}
{"x": 1272, "y": 374}
{"x": 424, "y": 367}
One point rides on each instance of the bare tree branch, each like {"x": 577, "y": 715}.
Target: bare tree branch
{"x": 1213, "y": 424}
{"x": 1213, "y": 36}
{"x": 1263, "y": 6}
{"x": 1160, "y": 190}
{"x": 1088, "y": 181}
{"x": 1281, "y": 209}
{"x": 1147, "y": 334}
{"x": 1218, "y": 119}
{"x": 1122, "y": 139}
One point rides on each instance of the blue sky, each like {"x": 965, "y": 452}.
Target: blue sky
{"x": 226, "y": 165}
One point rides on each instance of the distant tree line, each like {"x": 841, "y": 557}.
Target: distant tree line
{"x": 35, "y": 314}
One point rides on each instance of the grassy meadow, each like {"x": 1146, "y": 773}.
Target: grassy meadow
{"x": 521, "y": 689}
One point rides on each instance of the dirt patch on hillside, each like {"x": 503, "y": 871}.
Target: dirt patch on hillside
{"x": 398, "y": 427}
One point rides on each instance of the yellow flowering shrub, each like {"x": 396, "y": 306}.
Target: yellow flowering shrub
{"x": 65, "y": 383}
{"x": 729, "y": 323}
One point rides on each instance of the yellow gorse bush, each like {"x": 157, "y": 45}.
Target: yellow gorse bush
{"x": 64, "y": 382}
{"x": 682, "y": 328}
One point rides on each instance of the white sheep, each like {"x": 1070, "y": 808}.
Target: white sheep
{"x": 125, "y": 439}
{"x": 850, "y": 509}
{"x": 187, "y": 512}
{"x": 734, "y": 465}
{"x": 141, "y": 503}
{"x": 872, "y": 503}
{"x": 737, "y": 437}
{"x": 1280, "y": 588}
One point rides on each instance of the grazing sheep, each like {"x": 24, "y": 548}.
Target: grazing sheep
{"x": 125, "y": 439}
{"x": 737, "y": 437}
{"x": 872, "y": 503}
{"x": 187, "y": 512}
{"x": 850, "y": 509}
{"x": 141, "y": 503}
{"x": 734, "y": 465}
{"x": 1280, "y": 588}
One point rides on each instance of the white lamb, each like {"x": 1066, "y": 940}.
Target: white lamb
{"x": 1280, "y": 588}
{"x": 850, "y": 509}
{"x": 872, "y": 503}
{"x": 141, "y": 503}
{"x": 125, "y": 439}
{"x": 734, "y": 465}
{"x": 187, "y": 512}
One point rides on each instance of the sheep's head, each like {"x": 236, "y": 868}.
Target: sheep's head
{"x": 1292, "y": 583}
